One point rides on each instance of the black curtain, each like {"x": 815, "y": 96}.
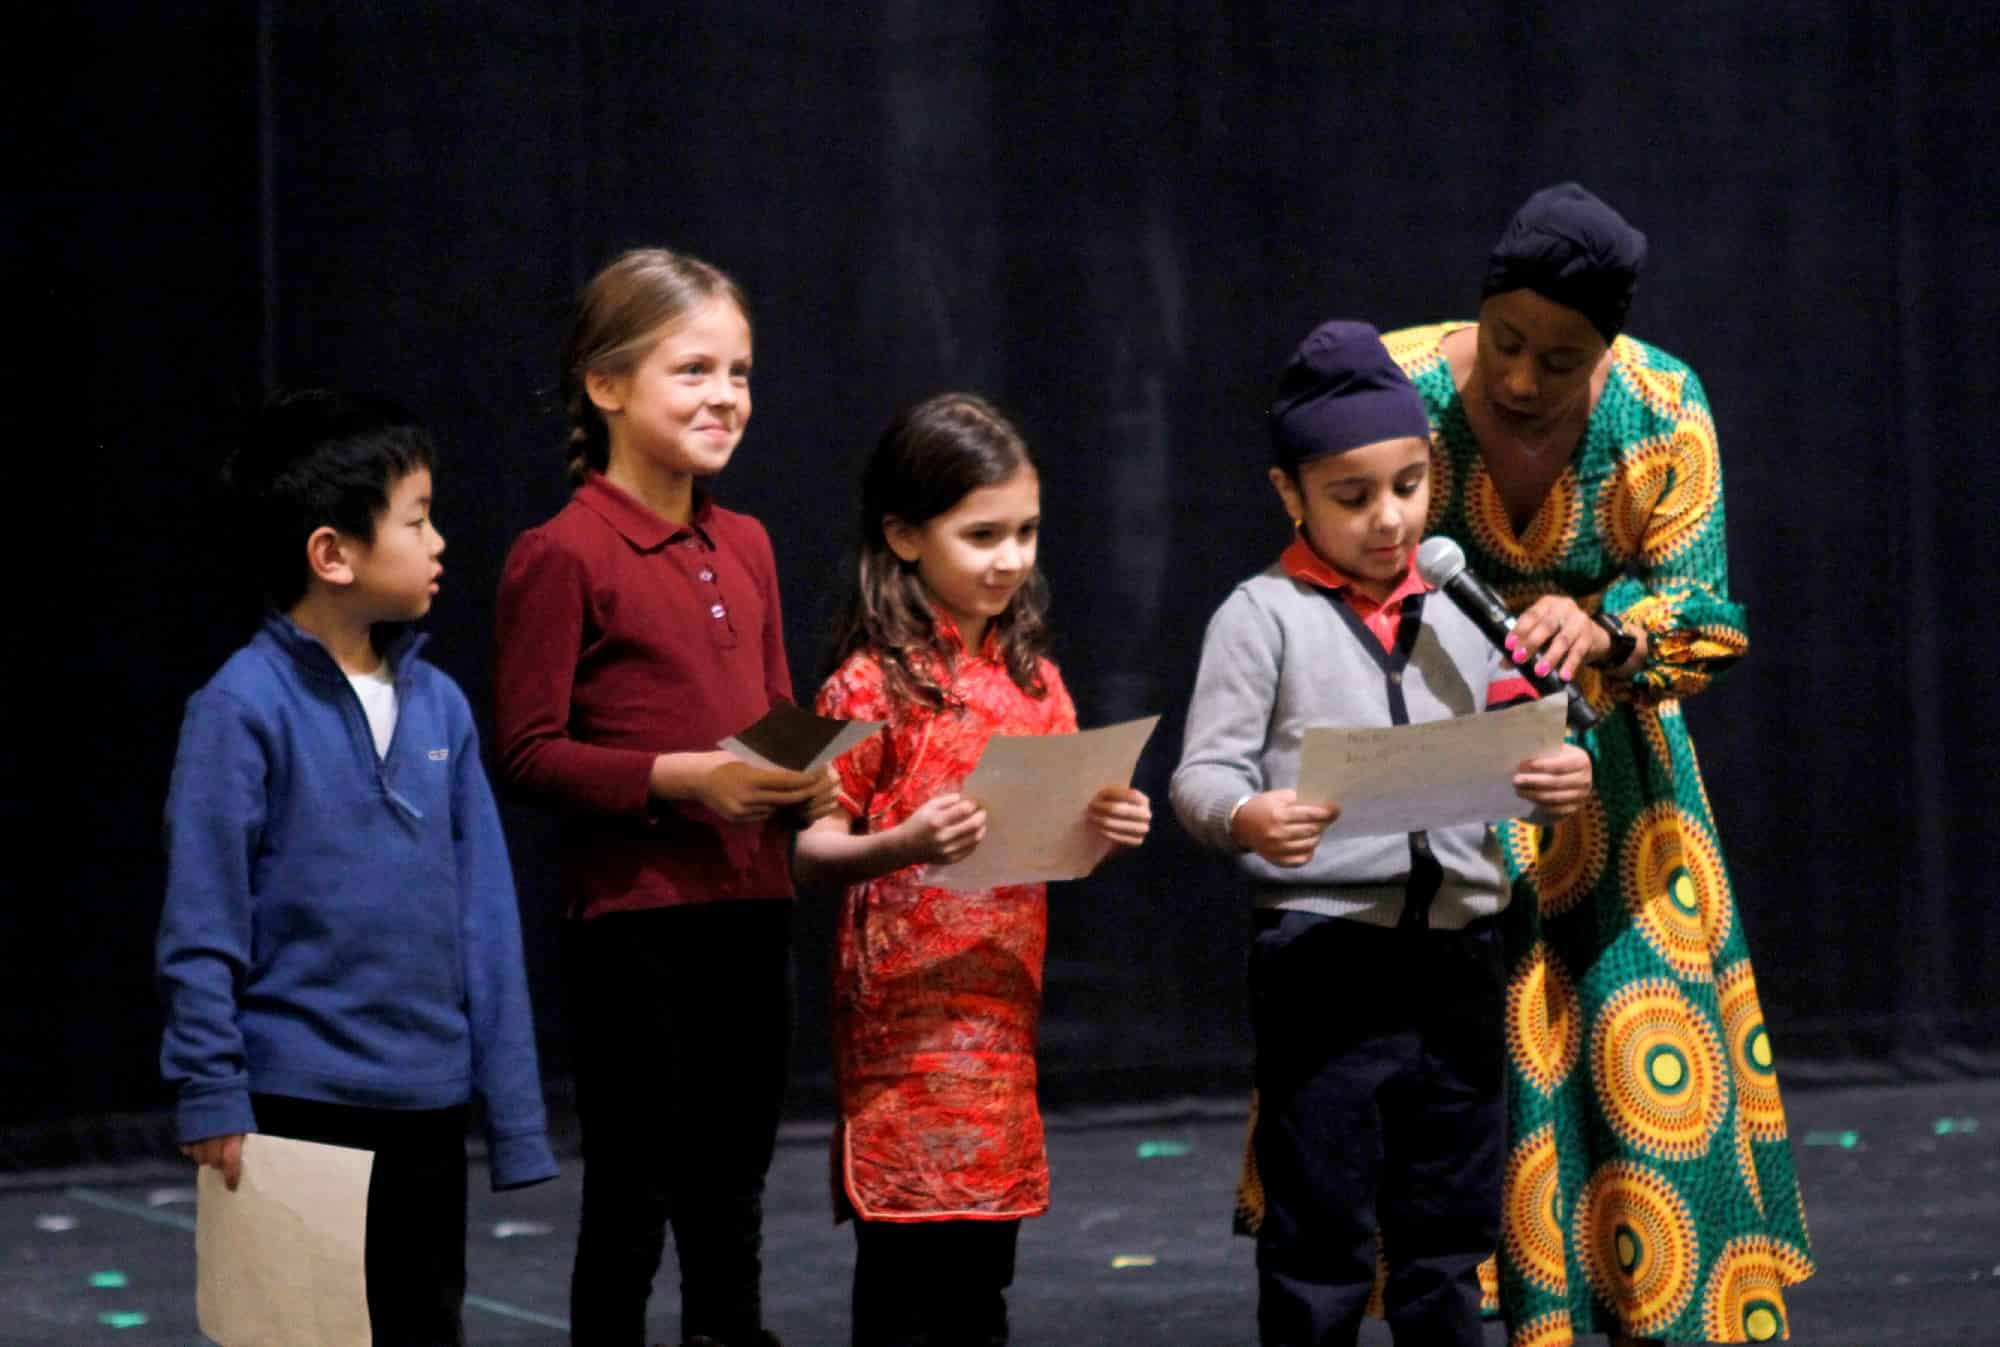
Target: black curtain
{"x": 1115, "y": 220}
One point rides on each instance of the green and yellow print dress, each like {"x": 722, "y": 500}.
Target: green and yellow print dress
{"x": 1649, "y": 1182}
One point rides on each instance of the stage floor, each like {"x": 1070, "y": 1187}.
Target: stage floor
{"x": 1902, "y": 1189}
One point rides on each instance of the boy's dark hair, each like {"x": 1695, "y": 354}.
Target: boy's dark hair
{"x": 314, "y": 458}
{"x": 931, "y": 457}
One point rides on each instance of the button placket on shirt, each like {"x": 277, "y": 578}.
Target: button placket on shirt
{"x": 709, "y": 591}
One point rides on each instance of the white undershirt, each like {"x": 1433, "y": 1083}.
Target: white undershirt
{"x": 377, "y": 691}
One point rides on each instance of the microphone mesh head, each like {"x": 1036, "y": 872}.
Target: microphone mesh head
{"x": 1438, "y": 560}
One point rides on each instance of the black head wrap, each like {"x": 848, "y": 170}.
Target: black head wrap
{"x": 1566, "y": 245}
{"x": 1339, "y": 391}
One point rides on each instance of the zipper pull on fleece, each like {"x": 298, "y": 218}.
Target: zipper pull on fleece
{"x": 410, "y": 811}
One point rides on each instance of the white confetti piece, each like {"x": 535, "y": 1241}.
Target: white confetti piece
{"x": 517, "y": 1229}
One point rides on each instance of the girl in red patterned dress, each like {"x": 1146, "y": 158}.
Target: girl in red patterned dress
{"x": 938, "y": 1150}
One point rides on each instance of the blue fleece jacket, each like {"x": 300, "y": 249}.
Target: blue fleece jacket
{"x": 340, "y": 927}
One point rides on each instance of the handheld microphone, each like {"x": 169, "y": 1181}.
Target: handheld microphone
{"x": 1441, "y": 562}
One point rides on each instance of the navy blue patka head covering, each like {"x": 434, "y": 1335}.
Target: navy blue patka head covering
{"x": 1568, "y": 246}
{"x": 1339, "y": 391}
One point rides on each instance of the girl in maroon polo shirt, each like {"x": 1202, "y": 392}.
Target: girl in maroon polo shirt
{"x": 637, "y": 629}
{"x": 938, "y": 1149}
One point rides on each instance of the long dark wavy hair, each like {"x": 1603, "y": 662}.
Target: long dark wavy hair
{"x": 926, "y": 462}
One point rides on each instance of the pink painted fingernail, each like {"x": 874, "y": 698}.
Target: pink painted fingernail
{"x": 1542, "y": 667}
{"x": 1520, "y": 656}
{"x": 1512, "y": 640}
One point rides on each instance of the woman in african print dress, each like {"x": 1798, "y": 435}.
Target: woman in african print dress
{"x": 1650, "y": 1191}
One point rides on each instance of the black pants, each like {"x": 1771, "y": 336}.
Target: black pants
{"x": 1379, "y": 1107}
{"x": 415, "y": 1255}
{"x": 680, "y": 1021}
{"x": 932, "y": 1283}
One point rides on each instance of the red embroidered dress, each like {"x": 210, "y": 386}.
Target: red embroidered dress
{"x": 936, "y": 994}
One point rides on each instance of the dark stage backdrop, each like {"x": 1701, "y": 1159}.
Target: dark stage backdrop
{"x": 1115, "y": 220}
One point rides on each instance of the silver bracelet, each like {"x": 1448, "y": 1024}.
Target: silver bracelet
{"x": 1229, "y": 828}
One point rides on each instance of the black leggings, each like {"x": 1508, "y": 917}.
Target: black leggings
{"x": 932, "y": 1283}
{"x": 680, "y": 1021}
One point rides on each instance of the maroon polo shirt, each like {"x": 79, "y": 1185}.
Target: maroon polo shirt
{"x": 623, "y": 636}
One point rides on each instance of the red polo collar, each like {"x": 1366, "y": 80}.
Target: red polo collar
{"x": 1382, "y": 616}
{"x": 638, "y": 523}
{"x": 1302, "y": 563}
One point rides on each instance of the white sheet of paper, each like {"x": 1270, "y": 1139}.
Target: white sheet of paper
{"x": 278, "y": 1262}
{"x": 1433, "y": 775}
{"x": 1035, "y": 788}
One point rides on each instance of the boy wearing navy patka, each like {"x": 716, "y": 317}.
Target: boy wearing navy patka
{"x": 340, "y": 950}
{"x": 1375, "y": 976}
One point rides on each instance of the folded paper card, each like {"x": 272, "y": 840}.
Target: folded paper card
{"x": 797, "y": 741}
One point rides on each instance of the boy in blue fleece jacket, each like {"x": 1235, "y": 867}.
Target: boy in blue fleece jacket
{"x": 340, "y": 949}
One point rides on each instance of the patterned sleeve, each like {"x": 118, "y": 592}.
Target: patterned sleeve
{"x": 856, "y": 692}
{"x": 1678, "y": 585}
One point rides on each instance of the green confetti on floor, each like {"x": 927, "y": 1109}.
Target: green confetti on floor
{"x": 1945, "y": 1127}
{"x": 1163, "y": 1150}
{"x": 1847, "y": 1141}
{"x": 123, "y": 1319}
{"x": 110, "y": 1280}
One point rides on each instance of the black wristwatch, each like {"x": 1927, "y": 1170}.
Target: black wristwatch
{"x": 1623, "y": 642}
